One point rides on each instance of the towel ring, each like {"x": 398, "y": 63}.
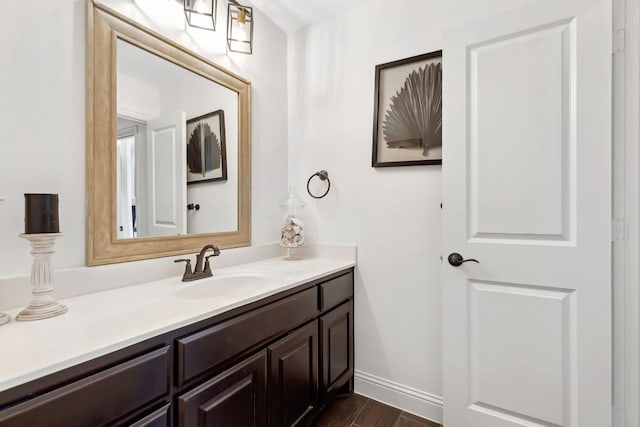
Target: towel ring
{"x": 324, "y": 176}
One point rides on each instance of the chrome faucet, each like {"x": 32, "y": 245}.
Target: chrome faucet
{"x": 200, "y": 272}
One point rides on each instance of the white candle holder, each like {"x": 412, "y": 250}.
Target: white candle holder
{"x": 43, "y": 305}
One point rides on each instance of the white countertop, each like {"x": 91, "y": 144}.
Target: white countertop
{"x": 102, "y": 322}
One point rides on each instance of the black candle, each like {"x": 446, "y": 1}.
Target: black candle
{"x": 41, "y": 213}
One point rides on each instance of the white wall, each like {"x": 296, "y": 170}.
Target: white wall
{"x": 42, "y": 112}
{"x": 137, "y": 99}
{"x": 392, "y": 214}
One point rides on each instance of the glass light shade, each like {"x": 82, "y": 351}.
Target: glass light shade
{"x": 240, "y": 28}
{"x": 201, "y": 13}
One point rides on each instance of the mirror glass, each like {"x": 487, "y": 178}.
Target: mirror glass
{"x": 177, "y": 149}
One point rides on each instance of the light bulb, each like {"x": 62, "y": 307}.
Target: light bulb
{"x": 241, "y": 25}
{"x": 241, "y": 32}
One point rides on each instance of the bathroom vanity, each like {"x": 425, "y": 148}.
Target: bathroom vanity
{"x": 271, "y": 353}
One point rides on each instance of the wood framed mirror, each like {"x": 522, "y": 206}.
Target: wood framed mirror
{"x": 168, "y": 146}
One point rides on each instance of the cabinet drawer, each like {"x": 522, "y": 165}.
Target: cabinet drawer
{"x": 210, "y": 348}
{"x": 335, "y": 291}
{"x": 100, "y": 398}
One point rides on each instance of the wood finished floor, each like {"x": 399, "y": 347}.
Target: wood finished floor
{"x": 359, "y": 411}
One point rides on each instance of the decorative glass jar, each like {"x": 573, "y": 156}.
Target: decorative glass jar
{"x": 292, "y": 232}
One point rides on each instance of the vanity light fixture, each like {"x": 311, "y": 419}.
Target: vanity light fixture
{"x": 201, "y": 13}
{"x": 239, "y": 28}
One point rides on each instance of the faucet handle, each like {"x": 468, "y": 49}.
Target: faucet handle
{"x": 187, "y": 268}
{"x": 207, "y": 265}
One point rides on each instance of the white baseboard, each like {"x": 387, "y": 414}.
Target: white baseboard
{"x": 400, "y": 396}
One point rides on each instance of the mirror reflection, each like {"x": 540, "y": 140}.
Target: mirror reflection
{"x": 177, "y": 149}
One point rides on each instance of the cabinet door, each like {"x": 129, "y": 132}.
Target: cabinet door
{"x": 336, "y": 331}
{"x": 235, "y": 398}
{"x": 158, "y": 418}
{"x": 293, "y": 386}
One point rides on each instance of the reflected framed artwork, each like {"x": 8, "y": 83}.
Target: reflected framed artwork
{"x": 407, "y": 117}
{"x": 206, "y": 148}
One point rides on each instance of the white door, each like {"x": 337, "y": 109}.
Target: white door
{"x": 527, "y": 192}
{"x": 125, "y": 184}
{"x": 167, "y": 176}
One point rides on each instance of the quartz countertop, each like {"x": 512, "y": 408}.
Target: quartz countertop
{"x": 102, "y": 322}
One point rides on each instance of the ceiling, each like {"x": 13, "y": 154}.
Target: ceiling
{"x": 291, "y": 15}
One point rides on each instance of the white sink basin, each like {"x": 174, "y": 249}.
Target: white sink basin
{"x": 220, "y": 286}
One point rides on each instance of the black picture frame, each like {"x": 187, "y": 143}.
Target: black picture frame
{"x": 404, "y": 135}
{"x": 209, "y": 164}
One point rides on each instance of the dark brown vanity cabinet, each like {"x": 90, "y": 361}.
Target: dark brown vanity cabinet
{"x": 271, "y": 363}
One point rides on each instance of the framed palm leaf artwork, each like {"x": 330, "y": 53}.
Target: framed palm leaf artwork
{"x": 407, "y": 118}
{"x": 206, "y": 148}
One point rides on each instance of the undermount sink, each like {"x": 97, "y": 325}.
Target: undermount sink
{"x": 223, "y": 285}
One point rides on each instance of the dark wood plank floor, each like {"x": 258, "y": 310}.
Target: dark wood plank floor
{"x": 358, "y": 411}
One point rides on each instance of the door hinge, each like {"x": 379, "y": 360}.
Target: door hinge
{"x": 618, "y": 230}
{"x": 618, "y": 41}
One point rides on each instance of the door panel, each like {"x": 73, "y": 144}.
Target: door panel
{"x": 511, "y": 326}
{"x": 526, "y": 191}
{"x": 167, "y": 181}
{"x": 533, "y": 132}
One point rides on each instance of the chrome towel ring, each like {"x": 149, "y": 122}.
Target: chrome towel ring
{"x": 324, "y": 176}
